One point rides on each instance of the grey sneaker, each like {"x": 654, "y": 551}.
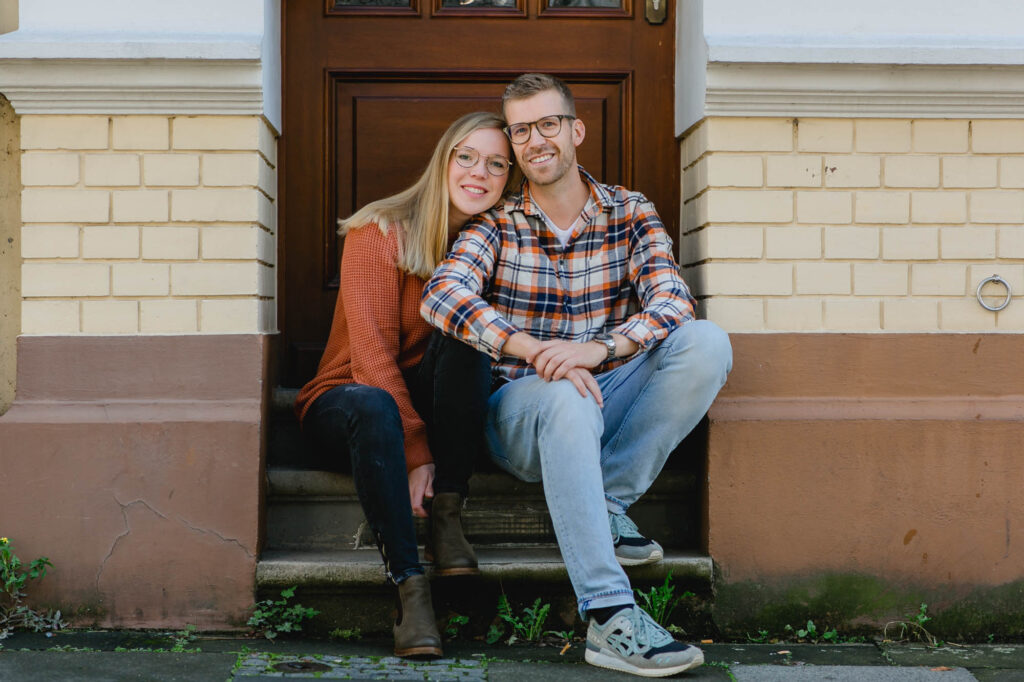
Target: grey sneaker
{"x": 633, "y": 643}
{"x": 631, "y": 548}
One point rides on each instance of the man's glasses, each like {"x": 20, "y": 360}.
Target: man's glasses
{"x": 549, "y": 126}
{"x": 495, "y": 164}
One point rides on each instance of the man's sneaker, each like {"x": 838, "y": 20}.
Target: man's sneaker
{"x": 633, "y": 643}
{"x": 631, "y": 548}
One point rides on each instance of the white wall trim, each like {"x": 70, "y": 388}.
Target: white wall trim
{"x": 133, "y": 86}
{"x": 864, "y": 90}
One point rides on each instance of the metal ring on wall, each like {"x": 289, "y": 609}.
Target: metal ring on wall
{"x": 1006, "y": 301}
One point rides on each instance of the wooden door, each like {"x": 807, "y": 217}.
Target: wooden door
{"x": 369, "y": 86}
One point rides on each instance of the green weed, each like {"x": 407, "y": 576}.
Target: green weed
{"x": 346, "y": 634}
{"x": 455, "y": 624}
{"x": 14, "y": 576}
{"x": 271, "y": 617}
{"x": 912, "y": 628}
{"x": 660, "y": 601}
{"x": 529, "y": 626}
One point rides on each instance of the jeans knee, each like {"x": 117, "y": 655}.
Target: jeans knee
{"x": 710, "y": 345}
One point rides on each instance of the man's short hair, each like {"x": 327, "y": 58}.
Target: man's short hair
{"x": 530, "y": 84}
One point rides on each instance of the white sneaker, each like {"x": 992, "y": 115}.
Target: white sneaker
{"x": 632, "y": 548}
{"x": 632, "y": 642}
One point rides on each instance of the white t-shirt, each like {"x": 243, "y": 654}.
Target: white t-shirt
{"x": 563, "y": 235}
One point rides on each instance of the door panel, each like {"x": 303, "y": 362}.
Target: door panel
{"x": 368, "y": 89}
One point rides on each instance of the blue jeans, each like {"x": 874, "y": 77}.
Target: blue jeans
{"x": 360, "y": 428}
{"x": 594, "y": 460}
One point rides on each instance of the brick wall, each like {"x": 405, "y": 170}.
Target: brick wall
{"x": 854, "y": 225}
{"x": 148, "y": 224}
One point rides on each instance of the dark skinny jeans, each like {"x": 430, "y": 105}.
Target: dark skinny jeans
{"x": 360, "y": 429}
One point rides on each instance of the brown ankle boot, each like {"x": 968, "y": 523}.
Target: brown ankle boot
{"x": 448, "y": 548}
{"x": 415, "y": 630}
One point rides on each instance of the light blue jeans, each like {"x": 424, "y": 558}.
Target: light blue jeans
{"x": 595, "y": 460}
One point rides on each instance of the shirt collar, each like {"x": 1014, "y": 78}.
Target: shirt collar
{"x": 600, "y": 197}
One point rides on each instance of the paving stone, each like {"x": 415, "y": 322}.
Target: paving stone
{"x": 849, "y": 673}
{"x": 975, "y": 656}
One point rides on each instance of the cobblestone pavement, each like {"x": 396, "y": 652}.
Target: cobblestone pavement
{"x": 270, "y": 667}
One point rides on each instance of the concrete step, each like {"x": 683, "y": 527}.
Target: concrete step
{"x": 349, "y": 588}
{"x": 319, "y": 510}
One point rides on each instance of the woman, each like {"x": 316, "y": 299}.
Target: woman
{"x": 406, "y": 407}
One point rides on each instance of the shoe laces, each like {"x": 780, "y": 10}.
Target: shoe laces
{"x": 646, "y": 631}
{"x": 623, "y": 527}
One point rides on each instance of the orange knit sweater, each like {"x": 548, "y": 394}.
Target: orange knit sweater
{"x": 377, "y": 331}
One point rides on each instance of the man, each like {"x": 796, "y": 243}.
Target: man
{"x": 572, "y": 288}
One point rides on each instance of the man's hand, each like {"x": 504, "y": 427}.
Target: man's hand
{"x": 421, "y": 485}
{"x": 554, "y": 359}
{"x": 585, "y": 383}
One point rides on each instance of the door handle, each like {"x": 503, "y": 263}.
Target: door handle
{"x": 655, "y": 11}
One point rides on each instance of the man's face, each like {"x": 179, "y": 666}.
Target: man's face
{"x": 544, "y": 160}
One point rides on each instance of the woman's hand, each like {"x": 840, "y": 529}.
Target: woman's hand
{"x": 421, "y": 486}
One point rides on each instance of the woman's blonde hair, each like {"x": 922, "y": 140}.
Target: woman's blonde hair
{"x": 422, "y": 209}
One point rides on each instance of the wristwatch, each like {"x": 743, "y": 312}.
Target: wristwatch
{"x": 609, "y": 342}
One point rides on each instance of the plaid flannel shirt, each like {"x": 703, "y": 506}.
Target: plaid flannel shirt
{"x": 507, "y": 272}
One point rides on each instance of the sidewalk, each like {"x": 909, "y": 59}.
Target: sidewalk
{"x": 91, "y": 657}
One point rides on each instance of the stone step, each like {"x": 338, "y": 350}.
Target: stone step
{"x": 349, "y": 588}
{"x": 319, "y": 510}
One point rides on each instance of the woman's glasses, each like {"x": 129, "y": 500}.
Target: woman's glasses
{"x": 495, "y": 164}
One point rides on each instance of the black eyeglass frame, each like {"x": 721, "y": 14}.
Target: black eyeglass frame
{"x": 533, "y": 124}
{"x": 478, "y": 155}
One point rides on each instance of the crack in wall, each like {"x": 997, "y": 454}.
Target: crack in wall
{"x": 126, "y": 533}
{"x": 204, "y": 531}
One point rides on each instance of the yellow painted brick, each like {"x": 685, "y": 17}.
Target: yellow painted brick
{"x": 853, "y": 171}
{"x": 694, "y": 276}
{"x": 216, "y": 132}
{"x": 940, "y": 136}
{"x": 735, "y": 314}
{"x": 230, "y": 315}
{"x": 1011, "y": 318}
{"x": 729, "y": 242}
{"x": 64, "y": 279}
{"x": 1012, "y": 273}
{"x": 910, "y": 315}
{"x": 141, "y": 132}
{"x": 912, "y": 171}
{"x": 792, "y": 243}
{"x": 823, "y": 278}
{"x": 749, "y": 206}
{"x": 880, "y": 135}
{"x": 1011, "y": 172}
{"x": 824, "y": 135}
{"x": 695, "y": 213}
{"x": 938, "y": 279}
{"x": 64, "y": 132}
{"x": 231, "y": 243}
{"x": 65, "y": 206}
{"x": 695, "y": 144}
{"x": 938, "y": 207}
{"x": 1011, "y": 242}
{"x": 965, "y": 314}
{"x": 49, "y": 241}
{"x": 997, "y": 207}
{"x": 267, "y": 281}
{"x": 110, "y": 317}
{"x": 108, "y": 241}
{"x": 49, "y": 317}
{"x": 969, "y": 171}
{"x": 880, "y": 279}
{"x": 215, "y": 279}
{"x": 267, "y": 142}
{"x": 238, "y": 205}
{"x": 747, "y": 279}
{"x": 910, "y": 243}
{"x": 729, "y": 170}
{"x": 140, "y": 206}
{"x": 268, "y": 316}
{"x": 692, "y": 247}
{"x": 695, "y": 179}
{"x": 967, "y": 242}
{"x": 852, "y": 243}
{"x": 141, "y": 279}
{"x": 234, "y": 170}
{"x": 853, "y": 314}
{"x": 750, "y": 134}
{"x": 170, "y": 243}
{"x": 883, "y": 207}
{"x": 168, "y": 316}
{"x": 824, "y": 207}
{"x": 994, "y": 136}
{"x": 118, "y": 170}
{"x": 165, "y": 170}
{"x": 801, "y": 170}
{"x": 793, "y": 314}
{"x": 49, "y": 169}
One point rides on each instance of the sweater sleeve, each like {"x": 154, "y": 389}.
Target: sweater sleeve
{"x": 371, "y": 291}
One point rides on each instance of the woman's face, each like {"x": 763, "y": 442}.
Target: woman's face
{"x": 475, "y": 189}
